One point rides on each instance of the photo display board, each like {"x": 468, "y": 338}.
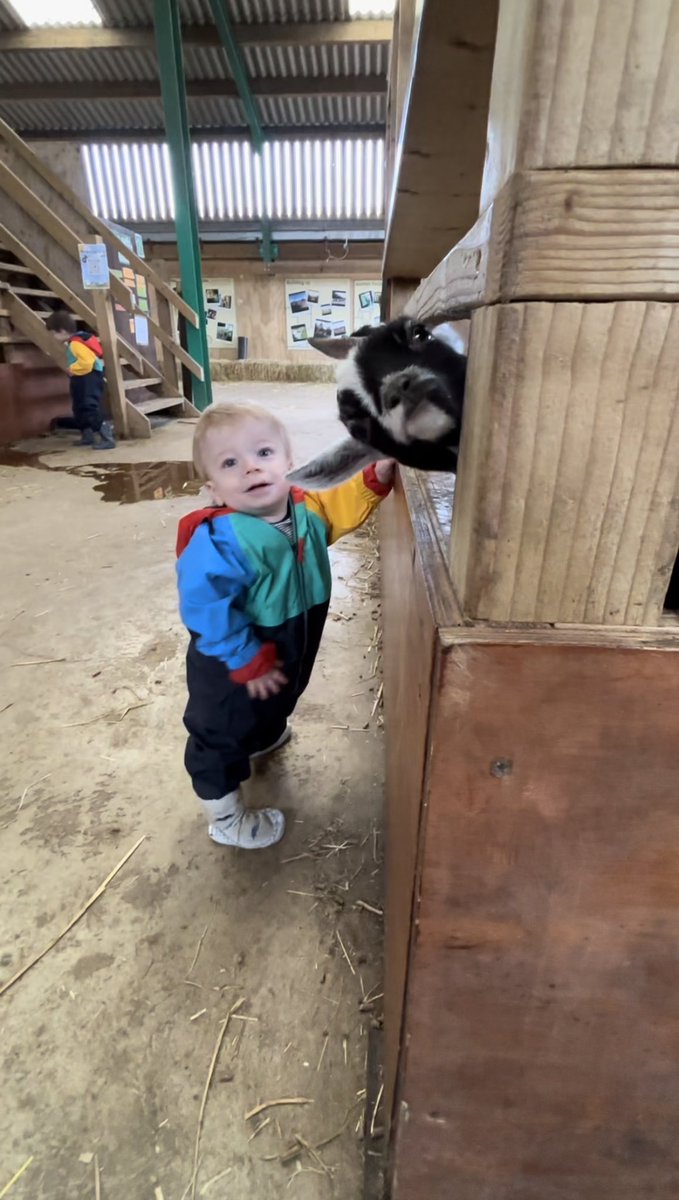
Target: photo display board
{"x": 317, "y": 308}
{"x": 219, "y": 299}
{"x": 367, "y": 298}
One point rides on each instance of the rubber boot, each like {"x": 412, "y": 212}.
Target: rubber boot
{"x": 86, "y": 438}
{"x": 108, "y": 441}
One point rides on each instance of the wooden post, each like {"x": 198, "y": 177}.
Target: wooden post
{"x": 115, "y": 388}
{"x": 531, "y": 915}
{"x": 162, "y": 315}
{"x": 567, "y": 503}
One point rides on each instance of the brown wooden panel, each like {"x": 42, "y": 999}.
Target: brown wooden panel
{"x": 408, "y": 663}
{"x": 541, "y": 1031}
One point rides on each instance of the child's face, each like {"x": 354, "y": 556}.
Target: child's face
{"x": 61, "y": 335}
{"x": 246, "y": 464}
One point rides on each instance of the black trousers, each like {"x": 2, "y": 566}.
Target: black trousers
{"x": 86, "y": 397}
{"x": 225, "y": 726}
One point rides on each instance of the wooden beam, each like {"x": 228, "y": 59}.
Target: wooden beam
{"x": 397, "y": 294}
{"x": 567, "y": 496}
{"x": 559, "y": 235}
{"x": 128, "y": 133}
{"x": 293, "y": 33}
{"x": 438, "y": 161}
{"x": 406, "y": 24}
{"x": 24, "y": 319}
{"x": 149, "y": 89}
{"x": 289, "y": 252}
{"x": 115, "y": 388}
{"x": 586, "y": 85}
{"x": 37, "y": 267}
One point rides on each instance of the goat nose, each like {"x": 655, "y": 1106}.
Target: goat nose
{"x": 396, "y": 391}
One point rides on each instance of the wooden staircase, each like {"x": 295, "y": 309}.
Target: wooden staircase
{"x": 42, "y": 223}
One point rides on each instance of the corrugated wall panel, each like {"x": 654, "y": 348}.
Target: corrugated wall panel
{"x": 313, "y": 179}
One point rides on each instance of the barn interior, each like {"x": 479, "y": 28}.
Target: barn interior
{"x": 455, "y": 975}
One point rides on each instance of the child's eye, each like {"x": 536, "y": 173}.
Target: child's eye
{"x": 265, "y": 451}
{"x": 229, "y": 462}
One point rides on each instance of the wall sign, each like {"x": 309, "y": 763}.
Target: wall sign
{"x": 93, "y": 265}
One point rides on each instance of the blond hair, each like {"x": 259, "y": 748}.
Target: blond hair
{"x": 232, "y": 414}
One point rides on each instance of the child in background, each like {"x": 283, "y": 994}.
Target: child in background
{"x": 254, "y": 588}
{"x": 85, "y": 359}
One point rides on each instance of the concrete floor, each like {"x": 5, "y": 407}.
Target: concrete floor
{"x": 107, "y": 1041}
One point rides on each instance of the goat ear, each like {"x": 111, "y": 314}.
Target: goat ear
{"x": 333, "y": 466}
{"x": 339, "y": 347}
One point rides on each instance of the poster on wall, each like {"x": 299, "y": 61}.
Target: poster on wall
{"x": 367, "y": 298}
{"x": 135, "y": 329}
{"x": 220, "y": 313}
{"x": 316, "y": 308}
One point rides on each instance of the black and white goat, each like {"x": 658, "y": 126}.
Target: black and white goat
{"x": 400, "y": 392}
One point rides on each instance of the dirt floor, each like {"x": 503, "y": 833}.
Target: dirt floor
{"x": 108, "y": 1041}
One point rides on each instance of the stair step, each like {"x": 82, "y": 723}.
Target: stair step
{"x": 27, "y": 291}
{"x": 156, "y": 403}
{"x": 14, "y": 339}
{"x": 18, "y": 268}
{"x": 148, "y": 381}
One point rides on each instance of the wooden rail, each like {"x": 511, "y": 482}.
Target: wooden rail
{"x": 64, "y": 236}
{"x": 96, "y": 224}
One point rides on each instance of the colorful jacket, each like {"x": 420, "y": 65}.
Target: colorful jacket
{"x": 246, "y": 592}
{"x": 84, "y": 354}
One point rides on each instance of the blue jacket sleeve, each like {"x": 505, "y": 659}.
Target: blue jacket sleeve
{"x": 213, "y": 579}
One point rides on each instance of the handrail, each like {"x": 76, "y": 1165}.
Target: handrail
{"x": 99, "y": 226}
{"x": 69, "y": 241}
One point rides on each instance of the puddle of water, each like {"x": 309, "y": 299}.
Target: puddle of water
{"x": 120, "y": 483}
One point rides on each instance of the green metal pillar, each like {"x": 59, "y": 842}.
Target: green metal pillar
{"x": 268, "y": 249}
{"x": 173, "y": 89}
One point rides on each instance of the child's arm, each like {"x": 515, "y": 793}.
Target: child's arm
{"x": 345, "y": 507}
{"x": 80, "y": 358}
{"x": 213, "y": 580}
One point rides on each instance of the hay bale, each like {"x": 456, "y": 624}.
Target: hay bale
{"x": 268, "y": 371}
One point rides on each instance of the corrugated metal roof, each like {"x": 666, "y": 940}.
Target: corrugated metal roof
{"x": 322, "y": 110}
{"x": 313, "y": 61}
{"x": 72, "y": 116}
{"x": 209, "y": 62}
{"x": 218, "y": 112}
{"x": 33, "y": 66}
{"x": 368, "y": 58}
{"x": 129, "y": 13}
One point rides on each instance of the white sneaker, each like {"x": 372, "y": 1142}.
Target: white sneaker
{"x": 248, "y": 828}
{"x": 252, "y": 829}
{"x": 281, "y": 741}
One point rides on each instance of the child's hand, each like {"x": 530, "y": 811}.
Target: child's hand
{"x": 266, "y": 685}
{"x": 384, "y": 470}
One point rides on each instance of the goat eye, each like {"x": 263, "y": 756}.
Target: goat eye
{"x": 420, "y": 335}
